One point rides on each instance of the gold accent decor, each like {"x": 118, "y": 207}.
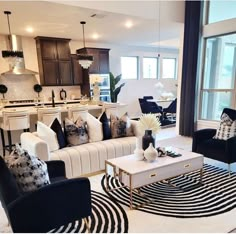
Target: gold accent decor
{"x": 152, "y": 175}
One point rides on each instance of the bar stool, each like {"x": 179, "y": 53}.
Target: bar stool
{"x": 75, "y": 111}
{"x": 13, "y": 120}
{"x": 110, "y": 108}
{"x": 47, "y": 115}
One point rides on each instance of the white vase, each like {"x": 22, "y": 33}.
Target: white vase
{"x": 150, "y": 153}
{"x": 139, "y": 152}
{"x": 96, "y": 92}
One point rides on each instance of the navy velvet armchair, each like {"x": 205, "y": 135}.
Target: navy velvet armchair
{"x": 221, "y": 150}
{"x": 61, "y": 202}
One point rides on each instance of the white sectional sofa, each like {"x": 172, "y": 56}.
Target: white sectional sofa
{"x": 81, "y": 159}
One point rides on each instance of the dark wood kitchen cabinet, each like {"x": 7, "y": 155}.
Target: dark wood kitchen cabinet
{"x": 100, "y": 63}
{"x": 77, "y": 71}
{"x": 54, "y": 60}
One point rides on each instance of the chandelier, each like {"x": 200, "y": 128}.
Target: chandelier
{"x": 85, "y": 60}
{"x": 11, "y": 55}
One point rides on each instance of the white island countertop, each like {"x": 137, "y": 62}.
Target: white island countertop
{"x": 18, "y": 103}
{"x": 33, "y": 110}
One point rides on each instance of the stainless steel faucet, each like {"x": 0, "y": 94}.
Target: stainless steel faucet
{"x": 53, "y": 101}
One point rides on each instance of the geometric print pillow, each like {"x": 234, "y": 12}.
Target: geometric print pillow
{"x": 29, "y": 171}
{"x": 227, "y": 128}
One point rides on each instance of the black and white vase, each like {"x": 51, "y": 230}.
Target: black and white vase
{"x": 147, "y": 139}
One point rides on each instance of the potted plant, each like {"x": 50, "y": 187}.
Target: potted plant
{"x": 113, "y": 89}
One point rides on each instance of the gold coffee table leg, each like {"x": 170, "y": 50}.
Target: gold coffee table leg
{"x": 106, "y": 175}
{"x": 130, "y": 192}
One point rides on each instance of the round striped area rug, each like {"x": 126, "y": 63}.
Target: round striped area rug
{"x": 185, "y": 197}
{"x": 107, "y": 217}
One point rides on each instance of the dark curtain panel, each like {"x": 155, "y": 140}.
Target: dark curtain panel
{"x": 189, "y": 70}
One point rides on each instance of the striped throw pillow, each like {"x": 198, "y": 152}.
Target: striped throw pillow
{"x": 227, "y": 128}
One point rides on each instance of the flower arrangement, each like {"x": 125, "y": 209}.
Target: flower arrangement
{"x": 149, "y": 122}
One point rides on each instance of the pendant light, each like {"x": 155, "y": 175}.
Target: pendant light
{"x": 85, "y": 60}
{"x": 11, "y": 55}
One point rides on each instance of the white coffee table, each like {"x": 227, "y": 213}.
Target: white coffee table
{"x": 136, "y": 174}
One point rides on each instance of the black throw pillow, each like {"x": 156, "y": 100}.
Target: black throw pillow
{"x": 106, "y": 129}
{"x": 56, "y": 127}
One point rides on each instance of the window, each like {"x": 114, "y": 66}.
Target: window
{"x": 219, "y": 76}
{"x": 129, "y": 67}
{"x": 169, "y": 68}
{"x": 150, "y": 68}
{"x": 221, "y": 10}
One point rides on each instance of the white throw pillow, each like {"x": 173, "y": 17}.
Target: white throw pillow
{"x": 227, "y": 128}
{"x": 94, "y": 129}
{"x": 47, "y": 134}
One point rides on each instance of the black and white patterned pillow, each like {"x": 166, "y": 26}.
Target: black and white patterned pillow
{"x": 76, "y": 133}
{"x": 227, "y": 128}
{"x": 30, "y": 172}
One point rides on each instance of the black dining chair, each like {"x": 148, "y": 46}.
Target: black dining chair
{"x": 143, "y": 106}
{"x": 149, "y": 107}
{"x": 171, "y": 109}
{"x": 147, "y": 97}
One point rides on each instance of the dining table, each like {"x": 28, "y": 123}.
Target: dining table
{"x": 161, "y": 102}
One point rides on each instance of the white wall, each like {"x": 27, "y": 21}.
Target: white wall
{"x": 135, "y": 89}
{"x": 129, "y": 94}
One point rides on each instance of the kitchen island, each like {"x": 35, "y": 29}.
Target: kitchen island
{"x": 32, "y": 110}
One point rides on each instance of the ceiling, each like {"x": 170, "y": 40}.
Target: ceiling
{"x": 62, "y": 19}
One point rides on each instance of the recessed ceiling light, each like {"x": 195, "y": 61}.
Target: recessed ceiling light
{"x": 95, "y": 36}
{"x": 29, "y": 29}
{"x": 129, "y": 24}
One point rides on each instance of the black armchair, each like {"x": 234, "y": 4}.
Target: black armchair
{"x": 169, "y": 113}
{"x": 221, "y": 150}
{"x": 54, "y": 205}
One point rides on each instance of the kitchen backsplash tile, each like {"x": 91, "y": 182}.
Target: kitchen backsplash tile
{"x": 21, "y": 87}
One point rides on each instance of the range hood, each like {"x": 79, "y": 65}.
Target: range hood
{"x": 16, "y": 64}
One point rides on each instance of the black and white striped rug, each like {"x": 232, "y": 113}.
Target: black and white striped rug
{"x": 187, "y": 198}
{"x": 107, "y": 217}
